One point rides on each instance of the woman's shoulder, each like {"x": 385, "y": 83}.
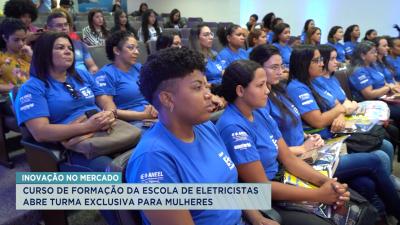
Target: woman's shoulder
{"x": 34, "y": 84}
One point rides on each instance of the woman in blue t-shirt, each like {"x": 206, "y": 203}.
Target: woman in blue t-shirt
{"x": 367, "y": 83}
{"x": 201, "y": 40}
{"x": 334, "y": 36}
{"x": 382, "y": 65}
{"x": 255, "y": 38}
{"x": 183, "y": 147}
{"x": 281, "y": 39}
{"x": 364, "y": 172}
{"x": 313, "y": 36}
{"x": 56, "y": 95}
{"x": 307, "y": 26}
{"x": 119, "y": 79}
{"x": 256, "y": 146}
{"x": 394, "y": 56}
{"x": 351, "y": 36}
{"x": 319, "y": 108}
{"x": 232, "y": 38}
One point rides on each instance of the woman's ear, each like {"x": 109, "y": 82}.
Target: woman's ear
{"x": 116, "y": 50}
{"x": 239, "y": 91}
{"x": 166, "y": 100}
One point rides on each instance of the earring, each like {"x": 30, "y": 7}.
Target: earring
{"x": 171, "y": 109}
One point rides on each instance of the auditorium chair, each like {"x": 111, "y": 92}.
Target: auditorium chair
{"x": 152, "y": 46}
{"x": 343, "y": 78}
{"x": 195, "y": 19}
{"x": 8, "y": 123}
{"x": 211, "y": 24}
{"x": 99, "y": 55}
{"x": 143, "y": 52}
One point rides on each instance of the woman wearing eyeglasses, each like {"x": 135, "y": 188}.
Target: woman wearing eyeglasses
{"x": 367, "y": 83}
{"x": 256, "y": 146}
{"x": 233, "y": 38}
{"x": 201, "y": 40}
{"x": 364, "y": 172}
{"x": 119, "y": 79}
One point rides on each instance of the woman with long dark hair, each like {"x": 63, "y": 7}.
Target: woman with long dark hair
{"x": 335, "y": 35}
{"x": 351, "y": 36}
{"x": 96, "y": 33}
{"x": 175, "y": 20}
{"x": 364, "y": 172}
{"x": 121, "y": 23}
{"x": 281, "y": 41}
{"x": 149, "y": 29}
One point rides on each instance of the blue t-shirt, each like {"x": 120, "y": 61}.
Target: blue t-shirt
{"x": 331, "y": 85}
{"x": 292, "y": 133}
{"x": 214, "y": 68}
{"x": 340, "y": 49}
{"x": 363, "y": 77}
{"x": 270, "y": 37}
{"x": 349, "y": 47}
{"x": 395, "y": 63}
{"x": 303, "y": 37}
{"x": 81, "y": 54}
{"x": 251, "y": 141}
{"x": 53, "y": 100}
{"x": 230, "y": 56}
{"x": 249, "y": 50}
{"x": 160, "y": 157}
{"x": 285, "y": 51}
{"x": 389, "y": 76}
{"x": 305, "y": 102}
{"x": 122, "y": 86}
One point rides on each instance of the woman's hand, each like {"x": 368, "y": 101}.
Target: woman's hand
{"x": 313, "y": 141}
{"x": 100, "y": 121}
{"x": 265, "y": 221}
{"x": 338, "y": 124}
{"x": 350, "y": 106}
{"x": 218, "y": 102}
{"x": 150, "y": 112}
{"x": 327, "y": 193}
{"x": 27, "y": 50}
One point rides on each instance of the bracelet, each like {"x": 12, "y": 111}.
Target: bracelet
{"x": 114, "y": 111}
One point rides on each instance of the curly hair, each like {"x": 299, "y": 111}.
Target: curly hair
{"x": 8, "y": 27}
{"x": 167, "y": 64}
{"x": 17, "y": 8}
{"x": 116, "y": 39}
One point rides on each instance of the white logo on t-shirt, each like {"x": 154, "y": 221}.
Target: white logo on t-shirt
{"x": 227, "y": 160}
{"x": 152, "y": 177}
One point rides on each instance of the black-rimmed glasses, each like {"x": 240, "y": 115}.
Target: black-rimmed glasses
{"x": 74, "y": 93}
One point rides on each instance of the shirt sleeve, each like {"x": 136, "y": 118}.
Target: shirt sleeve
{"x": 97, "y": 91}
{"x": 152, "y": 167}
{"x": 106, "y": 81}
{"x": 303, "y": 99}
{"x": 360, "y": 79}
{"x": 31, "y": 103}
{"x": 239, "y": 144}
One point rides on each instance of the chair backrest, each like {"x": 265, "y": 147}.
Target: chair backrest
{"x": 152, "y": 46}
{"x": 99, "y": 55}
{"x": 192, "y": 24}
{"x": 211, "y": 24}
{"x": 143, "y": 52}
{"x": 343, "y": 77}
{"x": 125, "y": 217}
{"x": 185, "y": 32}
{"x": 195, "y": 19}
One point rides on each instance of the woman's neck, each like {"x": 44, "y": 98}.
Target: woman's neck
{"x": 205, "y": 51}
{"x": 283, "y": 43}
{"x": 353, "y": 39}
{"x": 96, "y": 27}
{"x": 233, "y": 48}
{"x": 9, "y": 51}
{"x": 176, "y": 126}
{"x": 245, "y": 109}
{"x": 380, "y": 57}
{"x": 326, "y": 74}
{"x": 122, "y": 65}
{"x": 59, "y": 75}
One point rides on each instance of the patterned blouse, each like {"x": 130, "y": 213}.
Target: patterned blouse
{"x": 93, "y": 38}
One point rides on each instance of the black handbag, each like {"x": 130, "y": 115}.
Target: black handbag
{"x": 367, "y": 141}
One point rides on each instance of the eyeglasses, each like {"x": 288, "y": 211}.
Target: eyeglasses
{"x": 74, "y": 93}
{"x": 276, "y": 67}
{"x": 318, "y": 60}
{"x": 208, "y": 34}
{"x": 132, "y": 48}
